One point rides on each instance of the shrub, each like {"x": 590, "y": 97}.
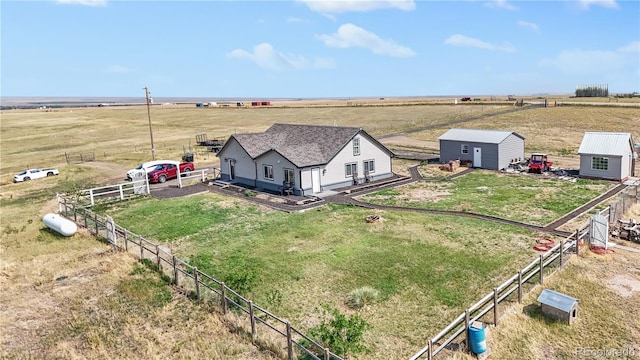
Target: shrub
{"x": 361, "y": 297}
{"x": 339, "y": 333}
{"x": 249, "y": 193}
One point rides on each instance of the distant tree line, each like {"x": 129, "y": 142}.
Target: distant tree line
{"x": 592, "y": 91}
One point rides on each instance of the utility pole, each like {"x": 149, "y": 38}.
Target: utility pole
{"x": 153, "y": 149}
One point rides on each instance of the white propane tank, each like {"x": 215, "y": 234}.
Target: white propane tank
{"x": 59, "y": 224}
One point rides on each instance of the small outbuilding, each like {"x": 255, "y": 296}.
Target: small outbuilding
{"x": 607, "y": 155}
{"x": 486, "y": 149}
{"x": 558, "y": 306}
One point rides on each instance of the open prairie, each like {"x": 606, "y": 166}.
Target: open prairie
{"x": 84, "y": 301}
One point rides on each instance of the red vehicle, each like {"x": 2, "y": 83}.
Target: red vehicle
{"x": 164, "y": 172}
{"x": 539, "y": 164}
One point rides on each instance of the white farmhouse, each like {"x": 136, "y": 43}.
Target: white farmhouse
{"x": 305, "y": 159}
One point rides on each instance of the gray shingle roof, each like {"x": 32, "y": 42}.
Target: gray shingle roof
{"x": 303, "y": 145}
{"x": 605, "y": 143}
{"x": 478, "y": 135}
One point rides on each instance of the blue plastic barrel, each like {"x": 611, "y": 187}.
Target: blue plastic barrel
{"x": 477, "y": 340}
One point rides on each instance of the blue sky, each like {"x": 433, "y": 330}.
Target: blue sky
{"x": 305, "y": 49}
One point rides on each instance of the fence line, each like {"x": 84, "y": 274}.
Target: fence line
{"x": 203, "y": 287}
{"x": 79, "y": 158}
{"x": 195, "y": 283}
{"x": 541, "y": 267}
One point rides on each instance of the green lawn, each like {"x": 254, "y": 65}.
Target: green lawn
{"x": 427, "y": 268}
{"x": 525, "y": 198}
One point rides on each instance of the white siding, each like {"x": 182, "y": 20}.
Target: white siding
{"x": 278, "y": 163}
{"x": 335, "y": 175}
{"x": 244, "y": 168}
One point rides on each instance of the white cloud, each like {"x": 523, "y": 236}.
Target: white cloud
{"x": 578, "y": 61}
{"x": 632, "y": 47}
{"x": 500, "y": 4}
{"x": 465, "y": 41}
{"x": 586, "y": 4}
{"x": 118, "y": 69}
{"x": 83, "y": 2}
{"x": 265, "y": 56}
{"x": 528, "y": 25}
{"x": 343, "y": 6}
{"x": 349, "y": 35}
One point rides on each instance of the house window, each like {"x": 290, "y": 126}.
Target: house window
{"x": 289, "y": 177}
{"x": 268, "y": 172}
{"x": 369, "y": 166}
{"x": 356, "y": 147}
{"x": 464, "y": 148}
{"x": 600, "y": 163}
{"x": 351, "y": 169}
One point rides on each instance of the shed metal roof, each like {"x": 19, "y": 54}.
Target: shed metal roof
{"x": 606, "y": 143}
{"x": 557, "y": 300}
{"x": 478, "y": 135}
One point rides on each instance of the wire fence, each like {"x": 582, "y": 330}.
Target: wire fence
{"x": 198, "y": 285}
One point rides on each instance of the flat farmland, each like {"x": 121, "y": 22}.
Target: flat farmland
{"x": 427, "y": 268}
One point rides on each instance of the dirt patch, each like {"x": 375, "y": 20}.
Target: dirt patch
{"x": 434, "y": 171}
{"x": 421, "y": 195}
{"x": 624, "y": 285}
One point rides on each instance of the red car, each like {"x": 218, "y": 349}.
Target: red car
{"x": 164, "y": 172}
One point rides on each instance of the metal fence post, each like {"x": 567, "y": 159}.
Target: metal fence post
{"x": 326, "y": 354}
{"x": 126, "y": 240}
{"x": 158, "y": 256}
{"x": 577, "y": 242}
{"x": 430, "y": 351}
{"x": 561, "y": 251}
{"x": 141, "y": 247}
{"x": 95, "y": 220}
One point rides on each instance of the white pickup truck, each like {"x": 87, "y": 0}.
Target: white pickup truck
{"x": 32, "y": 174}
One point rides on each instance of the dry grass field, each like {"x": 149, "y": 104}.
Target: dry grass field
{"x": 55, "y": 290}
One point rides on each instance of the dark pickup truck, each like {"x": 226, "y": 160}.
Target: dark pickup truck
{"x": 164, "y": 172}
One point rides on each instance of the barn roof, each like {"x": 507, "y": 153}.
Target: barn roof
{"x": 606, "y": 143}
{"x": 478, "y": 135}
{"x": 303, "y": 145}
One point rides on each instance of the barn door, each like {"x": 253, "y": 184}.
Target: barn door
{"x": 599, "y": 230}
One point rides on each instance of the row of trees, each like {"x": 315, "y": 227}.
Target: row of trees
{"x": 592, "y": 91}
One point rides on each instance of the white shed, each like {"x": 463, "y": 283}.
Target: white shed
{"x": 607, "y": 155}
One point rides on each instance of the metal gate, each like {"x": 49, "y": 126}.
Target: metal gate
{"x": 599, "y": 230}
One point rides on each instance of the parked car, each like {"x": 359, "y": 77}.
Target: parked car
{"x": 32, "y": 174}
{"x": 466, "y": 99}
{"x": 146, "y": 166}
{"x": 164, "y": 172}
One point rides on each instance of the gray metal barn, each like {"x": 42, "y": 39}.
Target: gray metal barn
{"x": 605, "y": 155}
{"x": 486, "y": 149}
